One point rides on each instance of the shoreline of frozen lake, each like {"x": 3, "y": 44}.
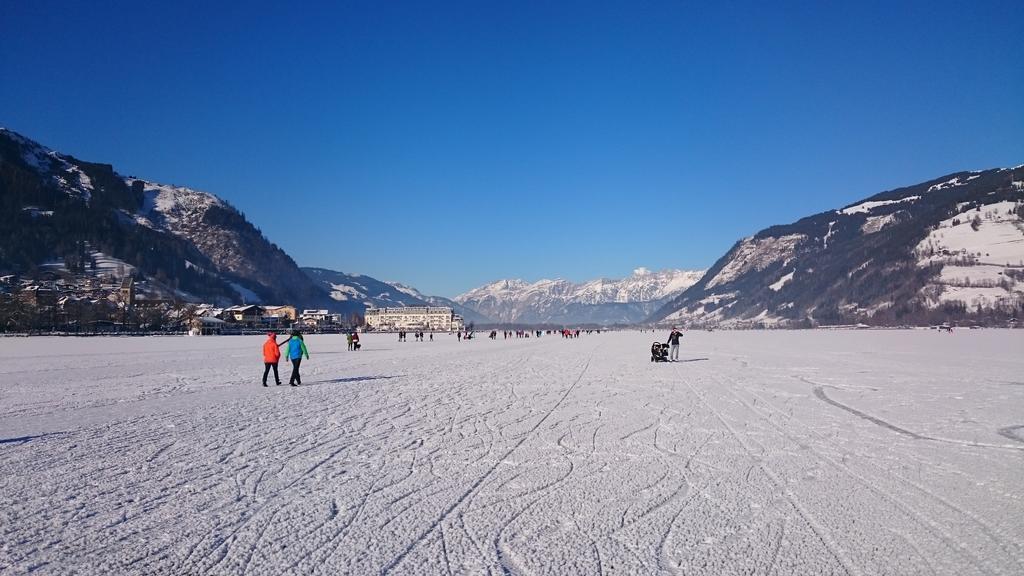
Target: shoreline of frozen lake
{"x": 780, "y": 452}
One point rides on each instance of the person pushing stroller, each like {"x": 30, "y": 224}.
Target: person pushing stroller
{"x": 673, "y": 342}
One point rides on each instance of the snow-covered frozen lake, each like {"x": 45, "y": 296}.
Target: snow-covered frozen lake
{"x": 870, "y": 452}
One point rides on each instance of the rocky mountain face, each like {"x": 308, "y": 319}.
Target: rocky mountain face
{"x": 58, "y": 207}
{"x": 950, "y": 249}
{"x": 603, "y": 301}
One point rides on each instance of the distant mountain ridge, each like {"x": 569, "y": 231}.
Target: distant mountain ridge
{"x": 602, "y": 301}
{"x": 371, "y": 292}
{"x": 949, "y": 249}
{"x": 468, "y": 314}
{"x": 344, "y": 287}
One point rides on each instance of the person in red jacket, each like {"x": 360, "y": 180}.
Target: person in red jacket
{"x": 271, "y": 356}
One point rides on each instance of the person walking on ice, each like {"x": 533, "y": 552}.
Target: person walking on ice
{"x": 271, "y": 357}
{"x": 673, "y": 343}
{"x": 296, "y": 350}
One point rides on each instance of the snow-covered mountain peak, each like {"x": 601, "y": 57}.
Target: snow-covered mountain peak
{"x": 510, "y": 284}
{"x": 494, "y": 289}
{"x": 600, "y": 300}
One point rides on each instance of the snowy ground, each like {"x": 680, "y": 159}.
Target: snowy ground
{"x": 874, "y": 452}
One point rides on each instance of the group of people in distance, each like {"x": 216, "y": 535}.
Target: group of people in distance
{"x": 295, "y": 349}
{"x": 518, "y": 333}
{"x": 417, "y": 336}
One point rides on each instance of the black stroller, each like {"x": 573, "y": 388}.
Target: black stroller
{"x": 659, "y": 352}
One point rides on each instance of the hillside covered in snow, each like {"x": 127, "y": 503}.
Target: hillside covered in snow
{"x": 73, "y": 215}
{"x": 950, "y": 249}
{"x": 602, "y": 301}
{"x": 373, "y": 293}
{"x": 468, "y": 314}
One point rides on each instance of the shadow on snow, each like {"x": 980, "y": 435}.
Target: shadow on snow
{"x": 24, "y": 439}
{"x": 348, "y": 380}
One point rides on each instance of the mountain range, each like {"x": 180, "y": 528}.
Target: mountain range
{"x": 603, "y": 301}
{"x": 375, "y": 293}
{"x": 62, "y": 214}
{"x": 951, "y": 248}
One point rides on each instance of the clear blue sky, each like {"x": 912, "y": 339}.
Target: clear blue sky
{"x": 448, "y": 144}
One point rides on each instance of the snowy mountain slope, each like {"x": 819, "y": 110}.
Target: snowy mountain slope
{"x": 947, "y": 249}
{"x": 363, "y": 289}
{"x": 468, "y": 314}
{"x": 230, "y": 241}
{"x": 601, "y": 301}
{"x": 980, "y": 250}
{"x": 56, "y": 206}
{"x": 58, "y": 170}
{"x": 371, "y": 292}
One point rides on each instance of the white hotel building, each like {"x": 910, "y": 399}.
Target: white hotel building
{"x": 429, "y": 318}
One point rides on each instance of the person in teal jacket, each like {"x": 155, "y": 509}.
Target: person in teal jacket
{"x": 296, "y": 351}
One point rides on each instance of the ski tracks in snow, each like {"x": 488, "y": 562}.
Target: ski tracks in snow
{"x": 540, "y": 456}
